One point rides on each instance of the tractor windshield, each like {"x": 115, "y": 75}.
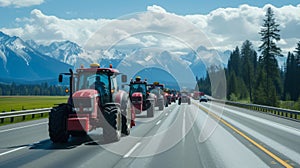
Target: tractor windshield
{"x": 99, "y": 82}
{"x": 156, "y": 90}
{"x": 138, "y": 87}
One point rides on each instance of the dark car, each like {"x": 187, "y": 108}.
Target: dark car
{"x": 203, "y": 99}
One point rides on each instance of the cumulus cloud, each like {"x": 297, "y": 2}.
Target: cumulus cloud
{"x": 46, "y": 29}
{"x": 229, "y": 27}
{"x": 20, "y": 3}
{"x": 156, "y": 8}
{"x": 225, "y": 28}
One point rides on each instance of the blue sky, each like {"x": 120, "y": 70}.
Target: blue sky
{"x": 94, "y": 9}
{"x": 227, "y": 24}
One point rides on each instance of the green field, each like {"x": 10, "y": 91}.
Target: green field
{"x": 14, "y": 103}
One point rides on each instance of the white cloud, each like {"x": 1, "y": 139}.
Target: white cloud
{"x": 224, "y": 27}
{"x": 20, "y": 3}
{"x": 46, "y": 29}
{"x": 156, "y": 8}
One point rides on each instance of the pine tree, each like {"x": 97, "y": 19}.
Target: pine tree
{"x": 269, "y": 51}
{"x": 232, "y": 85}
{"x": 248, "y": 59}
{"x": 234, "y": 62}
{"x": 297, "y": 71}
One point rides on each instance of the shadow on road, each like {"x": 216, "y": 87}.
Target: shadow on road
{"x": 141, "y": 116}
{"x": 72, "y": 143}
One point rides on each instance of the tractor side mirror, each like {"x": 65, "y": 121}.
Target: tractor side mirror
{"x": 123, "y": 86}
{"x": 60, "y": 78}
{"x": 124, "y": 78}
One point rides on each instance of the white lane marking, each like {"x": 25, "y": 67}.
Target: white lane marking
{"x": 183, "y": 125}
{"x": 7, "y": 152}
{"x": 132, "y": 149}
{"x": 11, "y": 129}
{"x": 158, "y": 122}
{"x": 166, "y": 114}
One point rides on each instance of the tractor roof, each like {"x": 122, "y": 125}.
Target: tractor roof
{"x": 98, "y": 70}
{"x": 138, "y": 80}
{"x": 94, "y": 67}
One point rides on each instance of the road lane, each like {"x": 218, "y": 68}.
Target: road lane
{"x": 281, "y": 140}
{"x": 173, "y": 142}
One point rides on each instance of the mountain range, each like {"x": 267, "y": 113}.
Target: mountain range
{"x": 28, "y": 61}
{"x": 20, "y": 62}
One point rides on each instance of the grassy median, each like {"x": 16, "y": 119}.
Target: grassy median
{"x": 15, "y": 103}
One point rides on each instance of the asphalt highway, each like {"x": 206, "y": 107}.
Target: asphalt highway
{"x": 196, "y": 135}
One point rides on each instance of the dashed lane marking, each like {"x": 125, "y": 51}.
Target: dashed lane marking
{"x": 10, "y": 151}
{"x": 132, "y": 150}
{"x": 26, "y": 126}
{"x": 158, "y": 122}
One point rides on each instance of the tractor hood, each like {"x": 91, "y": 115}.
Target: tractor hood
{"x": 137, "y": 94}
{"x": 86, "y": 93}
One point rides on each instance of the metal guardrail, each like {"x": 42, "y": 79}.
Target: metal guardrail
{"x": 286, "y": 113}
{"x": 23, "y": 114}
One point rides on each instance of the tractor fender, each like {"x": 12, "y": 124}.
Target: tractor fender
{"x": 151, "y": 97}
{"x": 122, "y": 98}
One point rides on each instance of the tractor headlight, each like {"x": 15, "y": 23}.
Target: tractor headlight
{"x": 87, "y": 109}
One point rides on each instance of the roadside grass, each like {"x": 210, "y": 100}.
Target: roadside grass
{"x": 290, "y": 105}
{"x": 16, "y": 103}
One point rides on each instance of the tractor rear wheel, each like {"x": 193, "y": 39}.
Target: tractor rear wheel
{"x": 126, "y": 119}
{"x": 58, "y": 123}
{"x": 161, "y": 105}
{"x": 112, "y": 127}
{"x": 166, "y": 103}
{"x": 179, "y": 101}
{"x": 125, "y": 126}
{"x": 78, "y": 133}
{"x": 150, "y": 110}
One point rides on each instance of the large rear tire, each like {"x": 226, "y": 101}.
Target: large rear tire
{"x": 78, "y": 133}
{"x": 161, "y": 105}
{"x": 112, "y": 127}
{"x": 58, "y": 123}
{"x": 179, "y": 101}
{"x": 166, "y": 103}
{"x": 126, "y": 119}
{"x": 150, "y": 110}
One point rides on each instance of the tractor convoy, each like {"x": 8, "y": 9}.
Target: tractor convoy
{"x": 96, "y": 101}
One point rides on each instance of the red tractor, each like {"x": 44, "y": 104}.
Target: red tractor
{"x": 140, "y": 98}
{"x": 161, "y": 97}
{"x": 95, "y": 101}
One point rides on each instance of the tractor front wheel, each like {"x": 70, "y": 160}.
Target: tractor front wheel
{"x": 58, "y": 123}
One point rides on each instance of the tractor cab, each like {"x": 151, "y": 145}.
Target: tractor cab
{"x": 156, "y": 88}
{"x": 102, "y": 80}
{"x": 138, "y": 86}
{"x": 95, "y": 101}
{"x": 140, "y": 97}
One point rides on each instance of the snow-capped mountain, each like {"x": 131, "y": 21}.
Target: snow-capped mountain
{"x": 174, "y": 67}
{"x": 71, "y": 53}
{"x": 19, "y": 61}
{"x": 180, "y": 66}
{"x": 64, "y": 51}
